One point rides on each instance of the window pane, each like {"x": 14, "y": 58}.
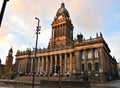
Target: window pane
{"x": 96, "y": 67}
{"x": 96, "y": 53}
{"x": 83, "y": 55}
{"x": 82, "y": 67}
{"x": 89, "y": 67}
{"x": 89, "y": 55}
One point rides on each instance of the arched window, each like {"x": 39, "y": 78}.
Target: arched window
{"x": 82, "y": 67}
{"x": 96, "y": 66}
{"x": 83, "y": 55}
{"x": 96, "y": 53}
{"x": 89, "y": 54}
{"x": 89, "y": 67}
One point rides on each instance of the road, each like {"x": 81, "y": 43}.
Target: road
{"x": 111, "y": 84}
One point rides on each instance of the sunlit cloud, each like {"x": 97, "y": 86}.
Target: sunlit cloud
{"x": 19, "y": 24}
{"x": 89, "y": 15}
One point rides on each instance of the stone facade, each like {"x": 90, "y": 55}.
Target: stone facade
{"x": 80, "y": 57}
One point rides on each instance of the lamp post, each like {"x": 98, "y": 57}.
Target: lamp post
{"x": 57, "y": 70}
{"x": 2, "y": 11}
{"x": 37, "y": 32}
{"x": 58, "y": 67}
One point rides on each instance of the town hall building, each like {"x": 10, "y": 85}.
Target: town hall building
{"x": 80, "y": 58}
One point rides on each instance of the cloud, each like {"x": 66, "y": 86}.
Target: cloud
{"x": 89, "y": 14}
{"x": 18, "y": 29}
{"x": 31, "y": 8}
{"x": 13, "y": 32}
{"x": 19, "y": 24}
{"x": 85, "y": 14}
{"x": 114, "y": 43}
{"x": 2, "y": 33}
{"x": 5, "y": 43}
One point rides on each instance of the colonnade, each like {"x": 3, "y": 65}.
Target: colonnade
{"x": 69, "y": 63}
{"x": 47, "y": 64}
{"x": 58, "y": 31}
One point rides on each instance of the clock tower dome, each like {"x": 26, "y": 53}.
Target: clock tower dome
{"x": 62, "y": 29}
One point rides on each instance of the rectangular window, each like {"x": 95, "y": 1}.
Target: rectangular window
{"x": 89, "y": 55}
{"x": 82, "y": 67}
{"x": 96, "y": 53}
{"x": 83, "y": 55}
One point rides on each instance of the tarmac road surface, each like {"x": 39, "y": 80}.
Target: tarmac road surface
{"x": 111, "y": 84}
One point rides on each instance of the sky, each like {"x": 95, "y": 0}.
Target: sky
{"x": 88, "y": 17}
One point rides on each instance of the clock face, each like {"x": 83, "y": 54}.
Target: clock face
{"x": 60, "y": 17}
{"x": 10, "y": 53}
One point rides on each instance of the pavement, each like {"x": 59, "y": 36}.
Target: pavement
{"x": 111, "y": 84}
{"x": 115, "y": 83}
{"x": 4, "y": 83}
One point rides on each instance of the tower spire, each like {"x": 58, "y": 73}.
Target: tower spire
{"x": 62, "y": 5}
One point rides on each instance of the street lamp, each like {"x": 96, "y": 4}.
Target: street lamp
{"x": 37, "y": 32}
{"x": 2, "y": 11}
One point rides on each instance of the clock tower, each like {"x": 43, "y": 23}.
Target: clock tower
{"x": 62, "y": 29}
{"x": 9, "y": 59}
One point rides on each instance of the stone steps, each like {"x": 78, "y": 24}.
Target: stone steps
{"x": 38, "y": 79}
{"x": 64, "y": 84}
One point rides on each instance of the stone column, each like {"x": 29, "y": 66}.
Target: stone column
{"x": 65, "y": 31}
{"x": 47, "y": 63}
{"x": 62, "y": 30}
{"x": 71, "y": 63}
{"x": 51, "y": 62}
{"x": 42, "y": 63}
{"x": 65, "y": 64}
{"x": 60, "y": 63}
{"x": 53, "y": 32}
{"x": 55, "y": 60}
{"x": 31, "y": 64}
{"x": 92, "y": 57}
{"x": 57, "y": 31}
{"x": 77, "y": 61}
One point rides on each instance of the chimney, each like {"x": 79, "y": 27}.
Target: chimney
{"x": 80, "y": 37}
